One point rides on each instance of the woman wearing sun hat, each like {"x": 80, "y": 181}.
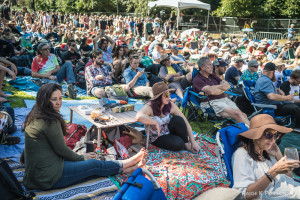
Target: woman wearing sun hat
{"x": 259, "y": 169}
{"x": 169, "y": 129}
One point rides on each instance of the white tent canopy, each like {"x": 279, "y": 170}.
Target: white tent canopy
{"x": 181, "y": 5}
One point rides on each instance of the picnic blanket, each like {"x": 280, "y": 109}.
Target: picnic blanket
{"x": 183, "y": 175}
{"x": 93, "y": 188}
{"x": 27, "y": 85}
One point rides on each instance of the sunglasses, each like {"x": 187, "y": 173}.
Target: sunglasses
{"x": 167, "y": 95}
{"x": 46, "y": 49}
{"x": 269, "y": 136}
{"x": 255, "y": 66}
{"x": 73, "y": 45}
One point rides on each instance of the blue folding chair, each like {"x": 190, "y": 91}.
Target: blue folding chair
{"x": 248, "y": 87}
{"x": 138, "y": 187}
{"x": 286, "y": 75}
{"x": 224, "y": 152}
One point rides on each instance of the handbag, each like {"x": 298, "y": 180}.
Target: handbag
{"x": 138, "y": 187}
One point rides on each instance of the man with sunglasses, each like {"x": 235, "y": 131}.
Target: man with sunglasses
{"x": 45, "y": 66}
{"x": 266, "y": 93}
{"x": 72, "y": 55}
{"x": 251, "y": 72}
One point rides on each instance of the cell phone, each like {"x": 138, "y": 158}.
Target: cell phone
{"x": 142, "y": 70}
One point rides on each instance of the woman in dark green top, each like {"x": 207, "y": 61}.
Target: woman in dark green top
{"x": 49, "y": 163}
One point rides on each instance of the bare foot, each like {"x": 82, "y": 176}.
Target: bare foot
{"x": 143, "y": 161}
{"x": 4, "y": 95}
{"x": 139, "y": 155}
{"x": 188, "y": 147}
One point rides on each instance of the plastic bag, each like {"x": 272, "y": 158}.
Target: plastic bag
{"x": 121, "y": 150}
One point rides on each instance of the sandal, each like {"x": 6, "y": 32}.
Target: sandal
{"x": 10, "y": 140}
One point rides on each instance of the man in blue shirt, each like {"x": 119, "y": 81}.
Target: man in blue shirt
{"x": 136, "y": 79}
{"x": 180, "y": 60}
{"x": 266, "y": 93}
{"x": 233, "y": 74}
{"x": 291, "y": 32}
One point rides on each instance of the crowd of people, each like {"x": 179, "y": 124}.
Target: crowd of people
{"x": 149, "y": 59}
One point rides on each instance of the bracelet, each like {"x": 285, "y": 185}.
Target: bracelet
{"x": 269, "y": 176}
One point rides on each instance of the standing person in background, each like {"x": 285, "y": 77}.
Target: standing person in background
{"x": 172, "y": 20}
{"x": 5, "y": 12}
{"x": 291, "y": 32}
{"x": 139, "y": 27}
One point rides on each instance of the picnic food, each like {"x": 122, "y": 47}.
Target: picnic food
{"x": 123, "y": 108}
{"x": 96, "y": 114}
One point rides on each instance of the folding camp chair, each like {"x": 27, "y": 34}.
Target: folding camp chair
{"x": 224, "y": 152}
{"x": 286, "y": 75}
{"x": 248, "y": 87}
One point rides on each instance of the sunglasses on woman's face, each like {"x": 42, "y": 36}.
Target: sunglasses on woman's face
{"x": 270, "y": 135}
{"x": 167, "y": 94}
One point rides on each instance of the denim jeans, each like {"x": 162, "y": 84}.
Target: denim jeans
{"x": 75, "y": 171}
{"x": 24, "y": 71}
{"x": 66, "y": 71}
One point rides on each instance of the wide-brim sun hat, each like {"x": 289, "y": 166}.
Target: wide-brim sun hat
{"x": 260, "y": 123}
{"x": 159, "y": 88}
{"x": 163, "y": 58}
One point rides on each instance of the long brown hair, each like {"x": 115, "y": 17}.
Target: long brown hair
{"x": 43, "y": 108}
{"x": 248, "y": 144}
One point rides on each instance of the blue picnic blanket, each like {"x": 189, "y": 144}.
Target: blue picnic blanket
{"x": 27, "y": 85}
{"x": 14, "y": 151}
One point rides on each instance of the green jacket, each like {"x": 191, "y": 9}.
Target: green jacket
{"x": 44, "y": 154}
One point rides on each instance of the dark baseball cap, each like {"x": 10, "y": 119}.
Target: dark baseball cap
{"x": 270, "y": 66}
{"x": 220, "y": 62}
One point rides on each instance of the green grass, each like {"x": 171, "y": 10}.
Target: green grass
{"x": 17, "y": 98}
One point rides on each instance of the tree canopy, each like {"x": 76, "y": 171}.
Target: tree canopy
{"x": 221, "y": 8}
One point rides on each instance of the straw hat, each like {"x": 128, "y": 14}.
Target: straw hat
{"x": 260, "y": 123}
{"x": 163, "y": 58}
{"x": 158, "y": 89}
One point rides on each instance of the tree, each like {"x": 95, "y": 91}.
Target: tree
{"x": 240, "y": 8}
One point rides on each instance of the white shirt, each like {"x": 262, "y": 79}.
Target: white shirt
{"x": 155, "y": 55}
{"x": 295, "y": 91}
{"x": 246, "y": 171}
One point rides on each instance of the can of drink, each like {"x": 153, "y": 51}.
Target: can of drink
{"x": 89, "y": 146}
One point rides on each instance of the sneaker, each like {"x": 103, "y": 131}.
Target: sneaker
{"x": 71, "y": 91}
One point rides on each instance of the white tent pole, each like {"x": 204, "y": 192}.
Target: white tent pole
{"x": 178, "y": 13}
{"x": 207, "y": 20}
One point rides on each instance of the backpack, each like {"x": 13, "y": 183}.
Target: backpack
{"x": 79, "y": 76}
{"x": 10, "y": 188}
{"x": 116, "y": 92}
{"x": 74, "y": 133}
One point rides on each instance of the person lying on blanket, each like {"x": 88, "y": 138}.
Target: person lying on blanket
{"x": 259, "y": 169}
{"x": 49, "y": 162}
{"x": 45, "y": 66}
{"x": 166, "y": 131}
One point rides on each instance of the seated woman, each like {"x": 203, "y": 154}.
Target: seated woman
{"x": 186, "y": 51}
{"x": 166, "y": 131}
{"x": 259, "y": 170}
{"x": 85, "y": 49}
{"x": 49, "y": 162}
{"x": 119, "y": 61}
{"x": 172, "y": 74}
{"x": 136, "y": 79}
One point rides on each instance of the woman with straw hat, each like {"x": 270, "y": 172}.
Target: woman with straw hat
{"x": 259, "y": 169}
{"x": 169, "y": 129}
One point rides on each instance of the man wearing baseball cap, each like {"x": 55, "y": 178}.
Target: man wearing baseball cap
{"x": 266, "y": 93}
{"x": 219, "y": 68}
{"x": 251, "y": 72}
{"x": 233, "y": 74}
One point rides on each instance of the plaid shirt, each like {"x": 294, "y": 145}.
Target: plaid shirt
{"x": 91, "y": 72}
